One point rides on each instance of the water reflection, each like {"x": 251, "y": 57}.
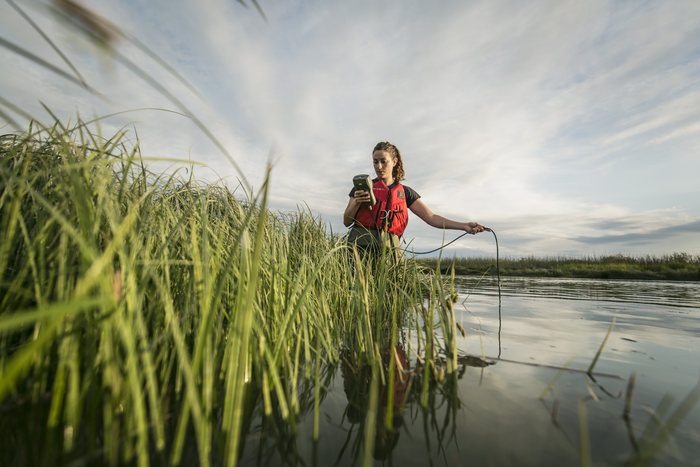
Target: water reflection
{"x": 672, "y": 294}
{"x": 357, "y": 378}
{"x": 489, "y": 411}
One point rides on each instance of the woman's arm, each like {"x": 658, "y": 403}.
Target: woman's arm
{"x": 439, "y": 222}
{"x": 353, "y": 206}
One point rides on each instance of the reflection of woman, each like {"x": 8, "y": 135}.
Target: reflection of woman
{"x": 356, "y": 382}
{"x": 390, "y": 213}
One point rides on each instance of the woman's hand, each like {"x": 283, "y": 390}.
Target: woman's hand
{"x": 361, "y": 196}
{"x": 353, "y": 206}
{"x": 474, "y": 228}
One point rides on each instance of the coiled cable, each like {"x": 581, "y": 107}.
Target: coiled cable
{"x": 498, "y": 266}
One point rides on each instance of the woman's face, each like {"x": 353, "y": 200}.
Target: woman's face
{"x": 383, "y": 164}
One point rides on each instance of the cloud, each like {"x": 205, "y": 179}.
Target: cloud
{"x": 546, "y": 119}
{"x": 643, "y": 238}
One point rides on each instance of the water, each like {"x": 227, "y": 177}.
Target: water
{"x": 487, "y": 413}
{"x": 492, "y": 415}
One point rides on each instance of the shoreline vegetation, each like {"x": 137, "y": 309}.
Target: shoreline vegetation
{"x": 671, "y": 267}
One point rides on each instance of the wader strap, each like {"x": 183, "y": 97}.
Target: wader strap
{"x": 390, "y": 214}
{"x": 379, "y": 213}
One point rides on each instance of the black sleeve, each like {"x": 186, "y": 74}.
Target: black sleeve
{"x": 411, "y": 195}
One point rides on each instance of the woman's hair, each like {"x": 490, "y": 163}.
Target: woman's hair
{"x": 398, "y": 173}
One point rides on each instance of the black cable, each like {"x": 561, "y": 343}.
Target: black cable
{"x": 498, "y": 269}
{"x": 436, "y": 249}
{"x": 498, "y": 266}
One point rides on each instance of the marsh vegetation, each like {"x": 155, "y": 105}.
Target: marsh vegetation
{"x": 676, "y": 266}
{"x": 140, "y": 309}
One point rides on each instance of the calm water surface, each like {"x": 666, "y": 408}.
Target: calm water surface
{"x": 492, "y": 415}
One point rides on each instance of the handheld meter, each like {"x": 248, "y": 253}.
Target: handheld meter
{"x": 364, "y": 183}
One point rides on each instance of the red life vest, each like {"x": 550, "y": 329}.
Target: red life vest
{"x": 390, "y": 212}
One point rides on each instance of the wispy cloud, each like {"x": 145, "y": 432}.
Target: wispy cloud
{"x": 645, "y": 238}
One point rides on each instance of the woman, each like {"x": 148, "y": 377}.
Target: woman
{"x": 390, "y": 213}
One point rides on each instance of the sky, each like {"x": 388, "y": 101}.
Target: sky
{"x": 569, "y": 127}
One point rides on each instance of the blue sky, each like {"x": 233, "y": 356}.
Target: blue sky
{"x": 569, "y": 127}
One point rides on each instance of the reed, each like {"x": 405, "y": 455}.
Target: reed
{"x": 143, "y": 307}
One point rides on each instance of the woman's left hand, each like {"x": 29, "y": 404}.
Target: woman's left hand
{"x": 474, "y": 228}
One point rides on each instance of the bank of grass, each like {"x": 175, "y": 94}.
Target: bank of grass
{"x": 676, "y": 266}
{"x": 142, "y": 309}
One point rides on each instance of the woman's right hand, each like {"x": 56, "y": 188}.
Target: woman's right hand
{"x": 353, "y": 206}
{"x": 474, "y": 228}
{"x": 361, "y": 196}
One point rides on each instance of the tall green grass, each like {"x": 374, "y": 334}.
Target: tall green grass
{"x": 143, "y": 307}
